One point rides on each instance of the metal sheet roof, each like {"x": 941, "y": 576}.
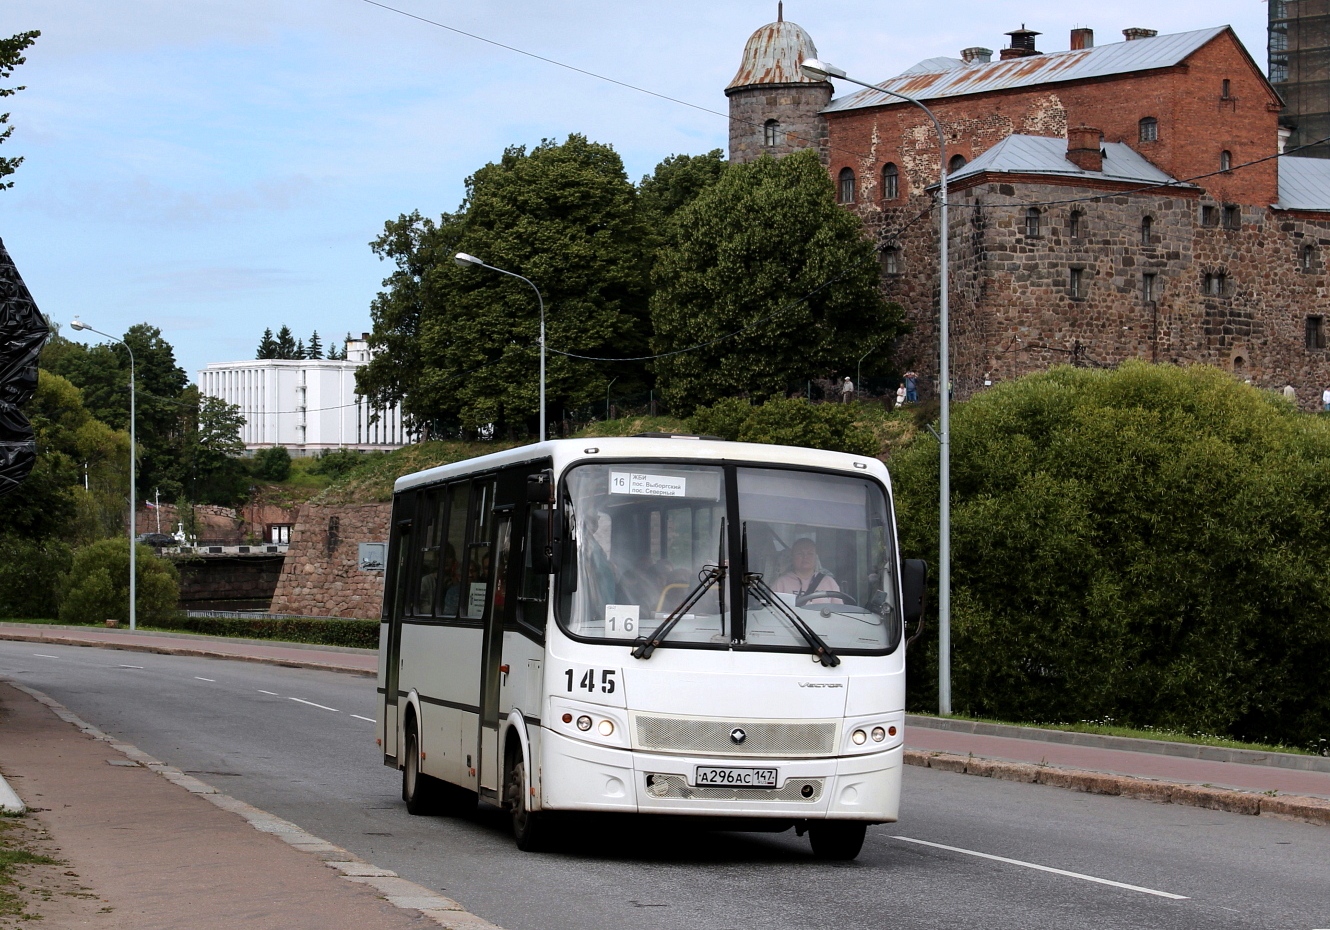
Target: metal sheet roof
{"x": 1304, "y": 183}
{"x": 975, "y": 77}
{"x": 773, "y": 55}
{"x": 1044, "y": 155}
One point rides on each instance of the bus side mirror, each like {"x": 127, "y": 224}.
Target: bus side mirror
{"x": 540, "y": 544}
{"x": 914, "y": 584}
{"x": 540, "y": 487}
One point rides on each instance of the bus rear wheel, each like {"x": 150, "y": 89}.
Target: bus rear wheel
{"x": 529, "y": 827}
{"x": 837, "y": 840}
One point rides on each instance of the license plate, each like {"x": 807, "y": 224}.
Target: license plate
{"x": 735, "y": 778}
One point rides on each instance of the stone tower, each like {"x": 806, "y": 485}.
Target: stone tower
{"x": 774, "y": 108}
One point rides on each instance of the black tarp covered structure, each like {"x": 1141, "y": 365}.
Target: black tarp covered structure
{"x": 23, "y": 332}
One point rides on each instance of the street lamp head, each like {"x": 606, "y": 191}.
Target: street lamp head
{"x": 78, "y": 324}
{"x": 464, "y": 260}
{"x": 820, "y": 70}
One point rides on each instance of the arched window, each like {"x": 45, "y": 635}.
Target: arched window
{"x": 891, "y": 260}
{"x": 956, "y": 164}
{"x": 1032, "y": 223}
{"x": 770, "y": 130}
{"x": 891, "y": 182}
{"x": 1307, "y": 260}
{"x": 1225, "y": 160}
{"x": 1227, "y": 92}
{"x": 1147, "y": 230}
{"x": 1149, "y": 129}
{"x": 1076, "y": 224}
{"x": 845, "y": 189}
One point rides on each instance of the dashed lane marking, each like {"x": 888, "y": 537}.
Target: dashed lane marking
{"x": 261, "y": 691}
{"x": 201, "y": 678}
{"x": 131, "y": 666}
{"x": 368, "y": 719}
{"x": 42, "y": 655}
{"x": 1045, "y": 868}
{"x": 312, "y": 704}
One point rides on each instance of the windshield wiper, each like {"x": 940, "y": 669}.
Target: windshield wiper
{"x": 708, "y": 578}
{"x": 768, "y": 598}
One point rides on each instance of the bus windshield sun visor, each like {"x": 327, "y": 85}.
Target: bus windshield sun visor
{"x": 709, "y": 577}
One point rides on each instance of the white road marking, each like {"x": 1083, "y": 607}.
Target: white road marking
{"x": 1045, "y": 868}
{"x": 201, "y": 678}
{"x": 358, "y": 717}
{"x": 261, "y": 691}
{"x": 131, "y": 666}
{"x": 312, "y": 704}
{"x": 44, "y": 655}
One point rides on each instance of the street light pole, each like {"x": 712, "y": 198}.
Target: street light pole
{"x": 464, "y": 260}
{"x": 78, "y": 324}
{"x": 821, "y": 70}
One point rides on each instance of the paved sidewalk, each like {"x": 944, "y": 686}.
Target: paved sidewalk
{"x": 143, "y": 846}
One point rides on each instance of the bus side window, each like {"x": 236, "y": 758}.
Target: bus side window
{"x": 454, "y": 547}
{"x": 476, "y": 581}
{"x": 533, "y": 598}
{"x": 431, "y": 530}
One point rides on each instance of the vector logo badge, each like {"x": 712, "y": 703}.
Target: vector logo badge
{"x": 737, "y": 736}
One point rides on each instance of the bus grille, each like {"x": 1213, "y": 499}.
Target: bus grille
{"x": 676, "y": 786}
{"x": 713, "y": 737}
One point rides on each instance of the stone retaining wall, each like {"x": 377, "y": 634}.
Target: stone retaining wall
{"x": 322, "y": 575}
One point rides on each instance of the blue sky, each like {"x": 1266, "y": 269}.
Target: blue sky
{"x": 217, "y": 168}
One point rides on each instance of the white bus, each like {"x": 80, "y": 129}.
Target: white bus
{"x": 650, "y": 625}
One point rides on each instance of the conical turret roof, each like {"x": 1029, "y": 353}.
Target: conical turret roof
{"x": 773, "y": 55}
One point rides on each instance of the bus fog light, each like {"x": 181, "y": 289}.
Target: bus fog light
{"x": 584, "y": 723}
{"x": 567, "y": 718}
{"x": 606, "y": 728}
{"x": 859, "y": 737}
{"x": 879, "y": 734}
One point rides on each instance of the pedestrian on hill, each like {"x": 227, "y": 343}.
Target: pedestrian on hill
{"x": 1325, "y": 399}
{"x": 900, "y": 395}
{"x": 912, "y": 386}
{"x": 1290, "y": 395}
{"x": 846, "y": 390}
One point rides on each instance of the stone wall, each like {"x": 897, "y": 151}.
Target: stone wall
{"x": 797, "y": 107}
{"x": 232, "y": 582}
{"x": 322, "y": 576}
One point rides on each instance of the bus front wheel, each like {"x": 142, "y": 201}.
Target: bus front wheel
{"x": 529, "y": 827}
{"x": 837, "y": 840}
{"x": 418, "y": 789}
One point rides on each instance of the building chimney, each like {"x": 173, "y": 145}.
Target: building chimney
{"x": 1133, "y": 34}
{"x": 977, "y": 55}
{"x": 1082, "y": 38}
{"x": 1085, "y": 148}
{"x": 1022, "y": 44}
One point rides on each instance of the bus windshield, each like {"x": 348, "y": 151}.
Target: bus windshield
{"x": 644, "y": 534}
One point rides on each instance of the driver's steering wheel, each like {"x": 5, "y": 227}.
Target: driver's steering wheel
{"x": 803, "y": 599}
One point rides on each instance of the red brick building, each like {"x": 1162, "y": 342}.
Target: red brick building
{"x": 1113, "y": 202}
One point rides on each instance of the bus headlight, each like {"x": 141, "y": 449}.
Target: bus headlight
{"x": 606, "y": 728}
{"x": 859, "y": 737}
{"x": 879, "y": 734}
{"x": 584, "y": 723}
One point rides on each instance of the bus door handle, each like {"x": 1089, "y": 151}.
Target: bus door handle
{"x": 503, "y": 669}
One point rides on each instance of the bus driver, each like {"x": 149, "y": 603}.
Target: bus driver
{"x": 803, "y": 577}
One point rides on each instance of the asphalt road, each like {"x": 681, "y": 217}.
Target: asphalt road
{"x": 296, "y": 743}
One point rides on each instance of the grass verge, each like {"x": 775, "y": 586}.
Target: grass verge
{"x": 14, "y": 852}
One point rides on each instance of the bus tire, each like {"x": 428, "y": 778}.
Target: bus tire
{"x": 529, "y": 827}
{"x": 837, "y": 840}
{"x": 419, "y": 790}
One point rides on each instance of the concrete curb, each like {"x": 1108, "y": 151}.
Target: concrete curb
{"x": 1285, "y": 807}
{"x": 395, "y": 890}
{"x": 1282, "y": 760}
{"x": 192, "y": 637}
{"x": 186, "y": 651}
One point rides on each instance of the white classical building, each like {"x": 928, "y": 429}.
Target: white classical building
{"x": 307, "y": 406}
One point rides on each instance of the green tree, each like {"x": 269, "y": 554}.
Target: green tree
{"x": 1147, "y": 544}
{"x": 315, "y": 347}
{"x": 30, "y": 577}
{"x": 267, "y": 346}
{"x": 787, "y": 422}
{"x": 11, "y": 56}
{"x": 765, "y": 250}
{"x": 212, "y": 469}
{"x": 97, "y": 587}
{"x": 460, "y": 344}
{"x": 677, "y": 182}
{"x": 286, "y": 343}
{"x": 273, "y": 464}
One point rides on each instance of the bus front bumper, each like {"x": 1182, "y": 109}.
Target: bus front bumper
{"x": 578, "y": 775}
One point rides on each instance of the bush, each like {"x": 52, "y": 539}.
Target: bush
{"x": 336, "y": 463}
{"x": 1147, "y": 545}
{"x": 30, "y": 577}
{"x": 97, "y": 587}
{"x": 787, "y": 422}
{"x": 273, "y": 464}
{"x": 325, "y": 631}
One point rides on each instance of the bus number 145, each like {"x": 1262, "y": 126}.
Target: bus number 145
{"x": 588, "y": 681}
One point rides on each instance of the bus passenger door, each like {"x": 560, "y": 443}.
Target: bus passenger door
{"x": 492, "y": 673}
{"x": 393, "y": 659}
